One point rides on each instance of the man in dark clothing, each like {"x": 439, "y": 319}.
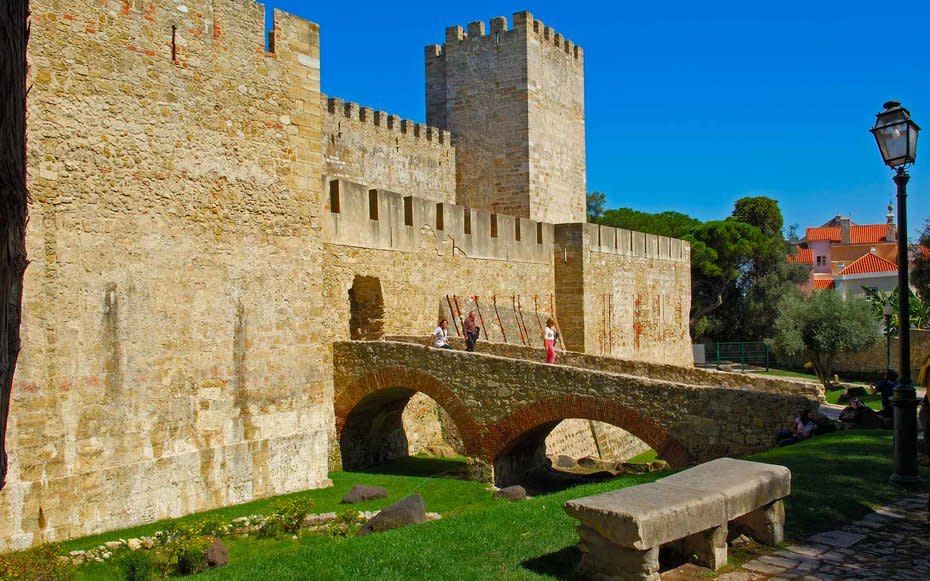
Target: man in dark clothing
{"x": 885, "y": 387}
{"x": 471, "y": 329}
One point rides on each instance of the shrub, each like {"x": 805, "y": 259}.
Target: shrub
{"x": 293, "y": 512}
{"x": 138, "y": 566}
{"x": 42, "y": 562}
{"x": 345, "y": 525}
{"x": 211, "y": 527}
{"x": 191, "y": 553}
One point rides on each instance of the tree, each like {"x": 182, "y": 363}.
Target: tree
{"x": 596, "y": 202}
{"x": 721, "y": 251}
{"x": 920, "y": 266}
{"x": 671, "y": 224}
{"x": 14, "y": 35}
{"x": 822, "y": 326}
{"x": 761, "y": 212}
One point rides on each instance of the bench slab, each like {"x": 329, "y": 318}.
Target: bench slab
{"x": 747, "y": 486}
{"x": 649, "y": 515}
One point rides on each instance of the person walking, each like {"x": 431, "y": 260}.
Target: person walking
{"x": 472, "y": 331}
{"x": 440, "y": 337}
{"x": 549, "y": 334}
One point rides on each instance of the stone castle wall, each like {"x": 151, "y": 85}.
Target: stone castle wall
{"x": 514, "y": 100}
{"x": 170, "y": 361}
{"x": 623, "y": 293}
{"x": 385, "y": 152}
{"x": 194, "y": 258}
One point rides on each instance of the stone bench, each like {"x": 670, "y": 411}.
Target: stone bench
{"x": 621, "y": 531}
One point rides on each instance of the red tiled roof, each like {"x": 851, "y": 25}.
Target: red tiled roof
{"x": 858, "y": 234}
{"x": 867, "y": 264}
{"x": 820, "y": 283}
{"x": 804, "y": 256}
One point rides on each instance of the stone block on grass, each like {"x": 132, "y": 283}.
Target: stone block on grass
{"x": 408, "y": 511}
{"x": 361, "y": 493}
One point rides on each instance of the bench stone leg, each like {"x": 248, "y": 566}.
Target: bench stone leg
{"x": 766, "y": 524}
{"x": 709, "y": 546}
{"x": 602, "y": 560}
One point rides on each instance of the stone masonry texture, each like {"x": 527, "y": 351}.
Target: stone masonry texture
{"x": 513, "y": 98}
{"x": 172, "y": 360}
{"x": 206, "y": 225}
{"x": 499, "y": 401}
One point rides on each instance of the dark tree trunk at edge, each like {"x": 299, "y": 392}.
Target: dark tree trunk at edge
{"x": 14, "y": 35}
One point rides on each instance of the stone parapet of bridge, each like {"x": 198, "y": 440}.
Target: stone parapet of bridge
{"x": 504, "y": 407}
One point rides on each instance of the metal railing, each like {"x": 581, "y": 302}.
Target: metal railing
{"x": 745, "y": 353}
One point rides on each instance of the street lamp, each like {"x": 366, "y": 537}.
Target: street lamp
{"x": 888, "y": 310}
{"x": 896, "y": 136}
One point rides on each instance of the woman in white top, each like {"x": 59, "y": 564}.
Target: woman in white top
{"x": 549, "y": 339}
{"x": 441, "y": 336}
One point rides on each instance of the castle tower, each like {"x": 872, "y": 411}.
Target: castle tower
{"x": 514, "y": 102}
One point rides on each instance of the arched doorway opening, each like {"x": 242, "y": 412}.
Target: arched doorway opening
{"x": 366, "y": 309}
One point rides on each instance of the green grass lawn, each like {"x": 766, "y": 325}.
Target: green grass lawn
{"x": 791, "y": 374}
{"x": 836, "y": 478}
{"x": 873, "y": 400}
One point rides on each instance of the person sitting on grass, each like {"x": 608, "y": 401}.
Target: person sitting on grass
{"x": 802, "y": 429}
{"x": 885, "y": 387}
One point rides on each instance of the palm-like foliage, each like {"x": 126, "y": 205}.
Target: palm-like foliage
{"x": 919, "y": 310}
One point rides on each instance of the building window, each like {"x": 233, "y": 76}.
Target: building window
{"x": 821, "y": 261}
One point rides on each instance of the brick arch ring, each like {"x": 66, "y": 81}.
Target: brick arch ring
{"x": 504, "y": 433}
{"x": 416, "y": 380}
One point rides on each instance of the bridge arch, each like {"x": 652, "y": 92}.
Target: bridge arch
{"x": 369, "y": 415}
{"x": 516, "y": 443}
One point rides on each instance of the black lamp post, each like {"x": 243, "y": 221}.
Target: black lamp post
{"x": 896, "y": 136}
{"x": 888, "y": 310}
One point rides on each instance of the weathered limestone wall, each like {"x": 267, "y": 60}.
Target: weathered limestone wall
{"x": 872, "y": 361}
{"x": 514, "y": 101}
{"x": 556, "y": 120}
{"x": 623, "y": 293}
{"x": 582, "y": 438}
{"x": 418, "y": 264}
{"x": 385, "y": 152}
{"x": 172, "y": 360}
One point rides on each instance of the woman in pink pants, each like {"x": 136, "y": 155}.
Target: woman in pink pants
{"x": 549, "y": 338}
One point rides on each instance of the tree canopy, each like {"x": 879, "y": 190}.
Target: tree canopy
{"x": 920, "y": 266}
{"x": 595, "y": 202}
{"x": 739, "y": 269}
{"x": 822, "y": 326}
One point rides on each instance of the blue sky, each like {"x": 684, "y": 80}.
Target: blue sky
{"x": 690, "y": 105}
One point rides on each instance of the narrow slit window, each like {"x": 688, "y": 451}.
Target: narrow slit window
{"x": 372, "y": 204}
{"x": 408, "y": 211}
{"x": 174, "y": 44}
{"x": 334, "y": 196}
{"x": 493, "y": 225}
{"x": 440, "y": 217}
{"x": 539, "y": 238}
{"x": 516, "y": 229}
{"x": 467, "y": 221}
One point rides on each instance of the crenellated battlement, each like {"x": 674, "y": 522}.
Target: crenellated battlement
{"x": 523, "y": 23}
{"x": 374, "y": 218}
{"x": 366, "y": 115}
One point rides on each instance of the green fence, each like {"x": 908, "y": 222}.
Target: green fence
{"x": 746, "y": 353}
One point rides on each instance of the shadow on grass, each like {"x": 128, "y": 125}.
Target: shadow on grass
{"x": 836, "y": 478}
{"x": 558, "y": 564}
{"x": 422, "y": 466}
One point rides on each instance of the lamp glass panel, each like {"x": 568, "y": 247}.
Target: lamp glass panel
{"x": 913, "y": 131}
{"x": 892, "y": 140}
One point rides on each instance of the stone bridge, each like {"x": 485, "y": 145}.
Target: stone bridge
{"x": 504, "y": 405}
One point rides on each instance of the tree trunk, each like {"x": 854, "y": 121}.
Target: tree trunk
{"x": 14, "y": 35}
